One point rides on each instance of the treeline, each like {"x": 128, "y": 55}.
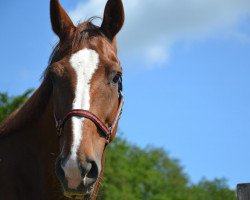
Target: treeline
{"x": 134, "y": 173}
{"x": 8, "y": 104}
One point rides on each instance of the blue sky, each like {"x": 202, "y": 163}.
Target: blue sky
{"x": 186, "y": 75}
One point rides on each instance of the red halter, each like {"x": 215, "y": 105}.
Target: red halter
{"x": 107, "y": 132}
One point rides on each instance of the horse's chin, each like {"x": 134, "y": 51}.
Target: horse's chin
{"x": 80, "y": 192}
{"x": 74, "y": 194}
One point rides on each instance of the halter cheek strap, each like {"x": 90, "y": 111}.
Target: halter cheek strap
{"x": 106, "y": 131}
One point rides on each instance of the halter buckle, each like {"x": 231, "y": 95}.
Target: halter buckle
{"x": 108, "y": 136}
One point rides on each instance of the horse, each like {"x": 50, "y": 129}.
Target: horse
{"x": 53, "y": 146}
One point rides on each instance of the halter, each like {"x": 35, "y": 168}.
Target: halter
{"x": 106, "y": 131}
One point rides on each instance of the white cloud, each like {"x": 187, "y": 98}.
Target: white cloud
{"x": 156, "y": 56}
{"x": 152, "y": 26}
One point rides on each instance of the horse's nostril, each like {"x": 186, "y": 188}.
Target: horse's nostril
{"x": 85, "y": 168}
{"x": 89, "y": 172}
{"x": 93, "y": 173}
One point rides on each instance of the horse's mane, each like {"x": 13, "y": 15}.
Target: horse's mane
{"x": 36, "y": 104}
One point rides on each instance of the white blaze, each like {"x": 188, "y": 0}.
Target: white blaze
{"x": 84, "y": 62}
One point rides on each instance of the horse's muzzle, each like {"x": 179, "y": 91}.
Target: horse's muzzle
{"x": 89, "y": 175}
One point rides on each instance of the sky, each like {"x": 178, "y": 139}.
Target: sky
{"x": 186, "y": 74}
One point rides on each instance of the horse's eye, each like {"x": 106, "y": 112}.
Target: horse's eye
{"x": 117, "y": 79}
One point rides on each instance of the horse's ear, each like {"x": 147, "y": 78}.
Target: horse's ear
{"x": 113, "y": 18}
{"x": 60, "y": 21}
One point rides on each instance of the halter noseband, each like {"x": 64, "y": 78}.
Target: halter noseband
{"x": 106, "y": 131}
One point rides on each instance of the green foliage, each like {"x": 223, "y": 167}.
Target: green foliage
{"x": 9, "y": 104}
{"x": 133, "y": 173}
{"x": 211, "y": 190}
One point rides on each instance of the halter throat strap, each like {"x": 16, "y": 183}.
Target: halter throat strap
{"x": 106, "y": 131}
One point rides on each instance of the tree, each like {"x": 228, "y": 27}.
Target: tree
{"x": 9, "y": 104}
{"x": 212, "y": 190}
{"x": 134, "y": 173}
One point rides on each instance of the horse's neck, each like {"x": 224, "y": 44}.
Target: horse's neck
{"x": 30, "y": 132}
{"x": 36, "y": 118}
{"x": 29, "y": 113}
{"x": 34, "y": 121}
{"x": 49, "y": 149}
{"x": 46, "y": 131}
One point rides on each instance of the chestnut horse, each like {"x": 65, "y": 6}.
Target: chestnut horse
{"x": 80, "y": 100}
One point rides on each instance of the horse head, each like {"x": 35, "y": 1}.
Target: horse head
{"x": 87, "y": 81}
